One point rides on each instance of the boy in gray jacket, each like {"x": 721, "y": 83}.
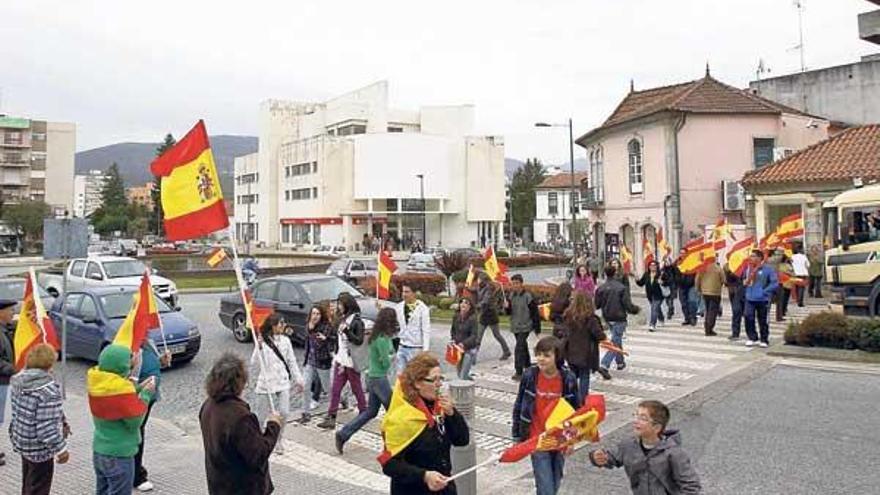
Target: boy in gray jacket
{"x": 653, "y": 460}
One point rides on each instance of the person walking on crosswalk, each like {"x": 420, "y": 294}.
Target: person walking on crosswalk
{"x": 761, "y": 283}
{"x": 613, "y": 299}
{"x": 709, "y": 283}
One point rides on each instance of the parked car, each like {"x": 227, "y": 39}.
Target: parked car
{"x": 420, "y": 262}
{"x": 351, "y": 269}
{"x": 338, "y": 251}
{"x": 13, "y": 288}
{"x": 105, "y": 271}
{"x": 94, "y": 315}
{"x": 292, "y": 296}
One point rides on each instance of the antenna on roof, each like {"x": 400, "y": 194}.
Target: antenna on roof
{"x": 708, "y": 72}
{"x": 799, "y": 5}
{"x": 762, "y": 69}
{"x": 632, "y": 86}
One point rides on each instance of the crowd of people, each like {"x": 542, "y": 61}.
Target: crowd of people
{"x": 392, "y": 363}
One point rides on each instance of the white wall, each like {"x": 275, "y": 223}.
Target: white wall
{"x": 386, "y": 165}
{"x": 60, "y": 152}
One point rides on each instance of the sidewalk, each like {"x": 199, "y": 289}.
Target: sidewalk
{"x": 174, "y": 459}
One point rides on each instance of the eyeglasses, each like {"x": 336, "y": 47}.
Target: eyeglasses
{"x": 435, "y": 380}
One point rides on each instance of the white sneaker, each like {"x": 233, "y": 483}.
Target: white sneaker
{"x": 146, "y": 486}
{"x": 313, "y": 404}
{"x": 764, "y": 345}
{"x": 750, "y": 343}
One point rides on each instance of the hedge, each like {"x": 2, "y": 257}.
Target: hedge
{"x": 423, "y": 283}
{"x": 520, "y": 261}
{"x": 826, "y": 329}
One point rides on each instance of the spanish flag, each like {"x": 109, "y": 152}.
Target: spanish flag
{"x": 626, "y": 259}
{"x": 720, "y": 233}
{"x": 469, "y": 280}
{"x": 738, "y": 257}
{"x": 647, "y": 252}
{"x": 495, "y": 269}
{"x": 387, "y": 267}
{"x": 142, "y": 317}
{"x": 403, "y": 423}
{"x": 191, "y": 197}
{"x": 791, "y": 226}
{"x": 696, "y": 258}
{"x": 662, "y": 246}
{"x": 217, "y": 257}
{"x": 258, "y": 313}
{"x": 111, "y": 396}
{"x": 565, "y": 428}
{"x": 34, "y": 325}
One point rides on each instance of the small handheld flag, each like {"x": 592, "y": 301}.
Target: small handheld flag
{"x": 142, "y": 317}
{"x": 217, "y": 257}
{"x": 387, "y": 267}
{"x": 34, "y": 326}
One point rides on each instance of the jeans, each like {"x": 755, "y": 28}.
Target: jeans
{"x": 547, "y": 468}
{"x": 618, "y": 328}
{"x": 761, "y": 309}
{"x": 815, "y": 286}
{"x": 696, "y": 303}
{"x": 140, "y": 472}
{"x": 36, "y": 477}
{"x": 4, "y": 391}
{"x": 713, "y": 309}
{"x": 467, "y": 361}
{"x": 688, "y": 309}
{"x": 737, "y": 307}
{"x": 282, "y": 405}
{"x": 310, "y": 375}
{"x": 656, "y": 312}
{"x": 780, "y": 303}
{"x": 114, "y": 475}
{"x": 496, "y": 332}
{"x": 521, "y": 357}
{"x": 341, "y": 376}
{"x": 670, "y": 303}
{"x": 583, "y": 381}
{"x": 379, "y": 391}
{"x": 405, "y": 354}
{"x": 799, "y": 292}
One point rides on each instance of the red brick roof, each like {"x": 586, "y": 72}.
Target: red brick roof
{"x": 563, "y": 181}
{"x": 852, "y": 153}
{"x": 706, "y": 95}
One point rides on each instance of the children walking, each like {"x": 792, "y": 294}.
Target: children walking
{"x": 346, "y": 362}
{"x": 654, "y": 460}
{"x": 519, "y": 305}
{"x": 541, "y": 387}
{"x": 317, "y": 358}
{"x": 581, "y": 346}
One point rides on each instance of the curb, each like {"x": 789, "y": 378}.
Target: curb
{"x": 824, "y": 354}
{"x": 208, "y": 290}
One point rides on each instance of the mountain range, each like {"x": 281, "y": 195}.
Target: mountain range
{"x": 133, "y": 159}
{"x": 511, "y": 165}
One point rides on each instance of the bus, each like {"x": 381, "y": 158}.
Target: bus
{"x": 852, "y": 256}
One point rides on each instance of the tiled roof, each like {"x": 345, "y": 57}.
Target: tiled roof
{"x": 563, "y": 181}
{"x": 852, "y": 153}
{"x": 706, "y": 95}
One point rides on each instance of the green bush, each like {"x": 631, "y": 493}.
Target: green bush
{"x": 828, "y": 329}
{"x": 425, "y": 284}
{"x": 445, "y": 302}
{"x": 865, "y": 333}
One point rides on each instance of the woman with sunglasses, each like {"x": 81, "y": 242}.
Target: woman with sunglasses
{"x": 419, "y": 430}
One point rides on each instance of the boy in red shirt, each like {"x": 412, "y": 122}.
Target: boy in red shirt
{"x": 542, "y": 386}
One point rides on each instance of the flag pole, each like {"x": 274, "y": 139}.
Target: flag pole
{"x": 249, "y": 322}
{"x": 159, "y": 316}
{"x": 35, "y": 295}
{"x": 491, "y": 460}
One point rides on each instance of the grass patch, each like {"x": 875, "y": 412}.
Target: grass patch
{"x": 212, "y": 282}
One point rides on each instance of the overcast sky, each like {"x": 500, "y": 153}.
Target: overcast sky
{"x": 132, "y": 71}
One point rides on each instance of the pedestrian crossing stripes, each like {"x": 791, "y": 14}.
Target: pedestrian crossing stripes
{"x": 715, "y": 345}
{"x": 675, "y": 363}
{"x": 658, "y": 373}
{"x": 668, "y": 350}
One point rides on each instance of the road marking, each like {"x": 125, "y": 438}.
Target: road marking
{"x": 638, "y": 349}
{"x": 678, "y": 363}
{"x": 657, "y": 373}
{"x": 317, "y": 463}
{"x": 493, "y": 416}
{"x": 725, "y": 345}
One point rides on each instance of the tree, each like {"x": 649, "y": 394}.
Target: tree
{"x": 156, "y": 216}
{"x": 451, "y": 262}
{"x": 27, "y": 218}
{"x": 112, "y": 215}
{"x": 522, "y": 193}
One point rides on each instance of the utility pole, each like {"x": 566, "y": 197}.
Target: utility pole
{"x": 424, "y": 217}
{"x": 571, "y": 193}
{"x": 247, "y": 228}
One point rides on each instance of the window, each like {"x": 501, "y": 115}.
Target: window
{"x": 88, "y": 310}
{"x": 597, "y": 175}
{"x": 552, "y": 231}
{"x": 351, "y": 129}
{"x": 575, "y": 199}
{"x": 299, "y": 234}
{"x": 636, "y": 185}
{"x": 287, "y": 292}
{"x": 285, "y": 234}
{"x": 287, "y": 195}
{"x": 297, "y": 194}
{"x": 314, "y": 167}
{"x": 763, "y": 151}
{"x": 332, "y": 132}
{"x": 301, "y": 169}
{"x": 77, "y": 268}
{"x": 552, "y": 204}
{"x": 266, "y": 290}
{"x": 94, "y": 271}
{"x": 38, "y": 136}
{"x": 315, "y": 192}
{"x": 395, "y": 129}
{"x": 72, "y": 303}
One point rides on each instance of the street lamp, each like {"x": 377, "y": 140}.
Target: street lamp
{"x": 422, "y": 196}
{"x": 571, "y": 193}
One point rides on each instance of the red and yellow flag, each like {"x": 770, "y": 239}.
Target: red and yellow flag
{"x": 696, "y": 258}
{"x": 112, "y": 397}
{"x": 662, "y": 246}
{"x": 626, "y": 259}
{"x": 738, "y": 256}
{"x": 217, "y": 257}
{"x": 403, "y": 423}
{"x": 647, "y": 252}
{"x": 495, "y": 269}
{"x": 791, "y": 226}
{"x": 469, "y": 281}
{"x": 192, "y": 200}
{"x": 258, "y": 313}
{"x": 143, "y": 317}
{"x": 34, "y": 326}
{"x": 387, "y": 267}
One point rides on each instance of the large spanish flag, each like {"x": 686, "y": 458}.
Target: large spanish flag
{"x": 647, "y": 252}
{"x": 720, "y": 233}
{"x": 112, "y": 397}
{"x": 387, "y": 267}
{"x": 142, "y": 317}
{"x": 34, "y": 325}
{"x": 738, "y": 256}
{"x": 403, "y": 423}
{"x": 494, "y": 268}
{"x": 192, "y": 200}
{"x": 791, "y": 226}
{"x": 697, "y": 258}
{"x": 626, "y": 259}
{"x": 662, "y": 246}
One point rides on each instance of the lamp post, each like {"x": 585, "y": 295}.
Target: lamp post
{"x": 424, "y": 222}
{"x": 571, "y": 192}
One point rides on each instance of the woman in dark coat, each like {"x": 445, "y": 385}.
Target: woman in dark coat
{"x": 236, "y": 450}
{"x": 465, "y": 333}
{"x": 560, "y": 302}
{"x": 651, "y": 281}
{"x": 423, "y": 465}
{"x": 581, "y": 346}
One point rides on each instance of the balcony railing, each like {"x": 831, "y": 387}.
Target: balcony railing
{"x": 593, "y": 198}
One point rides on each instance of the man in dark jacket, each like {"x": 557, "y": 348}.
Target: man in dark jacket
{"x": 669, "y": 279}
{"x": 613, "y": 299}
{"x": 736, "y": 296}
{"x": 7, "y": 358}
{"x": 236, "y": 451}
{"x": 519, "y": 306}
{"x": 488, "y": 302}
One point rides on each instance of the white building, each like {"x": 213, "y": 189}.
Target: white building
{"x": 87, "y": 190}
{"x": 553, "y": 200}
{"x": 329, "y": 172}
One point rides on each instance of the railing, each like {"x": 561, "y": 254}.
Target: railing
{"x": 593, "y": 198}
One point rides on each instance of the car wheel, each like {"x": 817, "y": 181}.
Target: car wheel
{"x": 239, "y": 329}
{"x": 52, "y": 292}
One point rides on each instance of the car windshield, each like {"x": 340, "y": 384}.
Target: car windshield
{"x": 14, "y": 289}
{"x": 327, "y": 289}
{"x": 124, "y": 268}
{"x": 338, "y": 265}
{"x": 118, "y": 305}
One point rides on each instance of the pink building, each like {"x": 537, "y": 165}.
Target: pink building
{"x": 672, "y": 158}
